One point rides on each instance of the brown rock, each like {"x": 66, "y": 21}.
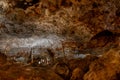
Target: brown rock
{"x": 3, "y": 58}
{"x": 80, "y": 66}
{"x": 77, "y": 74}
{"x": 106, "y": 67}
{"x": 62, "y": 70}
{"x": 37, "y": 10}
{"x": 46, "y": 75}
{"x": 81, "y": 63}
{"x": 18, "y": 72}
{"x": 101, "y": 39}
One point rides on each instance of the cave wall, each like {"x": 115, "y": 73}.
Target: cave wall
{"x": 78, "y": 20}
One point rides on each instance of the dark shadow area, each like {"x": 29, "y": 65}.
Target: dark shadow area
{"x": 101, "y": 39}
{"x": 25, "y": 4}
{"x": 103, "y": 33}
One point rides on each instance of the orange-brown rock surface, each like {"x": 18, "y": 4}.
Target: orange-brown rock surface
{"x": 85, "y": 26}
{"x": 94, "y": 15}
{"x": 106, "y": 67}
{"x": 102, "y": 67}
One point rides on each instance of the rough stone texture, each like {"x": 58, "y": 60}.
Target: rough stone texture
{"x": 106, "y": 67}
{"x": 79, "y": 67}
{"x": 25, "y": 19}
{"x": 76, "y": 19}
{"x": 94, "y": 24}
{"x": 73, "y": 69}
{"x": 91, "y": 67}
{"x": 62, "y": 70}
{"x": 19, "y": 72}
{"x": 93, "y": 15}
{"x": 3, "y": 58}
